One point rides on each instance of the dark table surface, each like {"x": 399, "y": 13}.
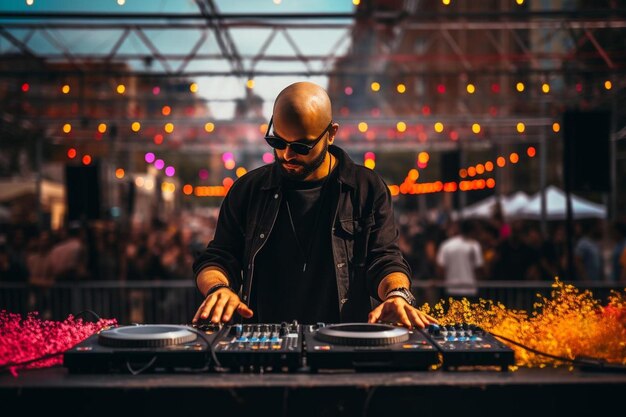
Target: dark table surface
{"x": 58, "y": 377}
{"x": 524, "y": 392}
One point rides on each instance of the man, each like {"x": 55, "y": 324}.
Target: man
{"x": 460, "y": 260}
{"x": 310, "y": 237}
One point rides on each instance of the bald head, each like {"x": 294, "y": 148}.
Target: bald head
{"x": 302, "y": 106}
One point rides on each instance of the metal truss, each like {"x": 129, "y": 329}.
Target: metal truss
{"x": 581, "y": 28}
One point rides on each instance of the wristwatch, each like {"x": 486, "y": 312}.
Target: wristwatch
{"x": 403, "y": 293}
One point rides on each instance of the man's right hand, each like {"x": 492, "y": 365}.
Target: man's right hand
{"x": 220, "y": 305}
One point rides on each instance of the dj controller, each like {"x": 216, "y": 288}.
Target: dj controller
{"x": 286, "y": 347}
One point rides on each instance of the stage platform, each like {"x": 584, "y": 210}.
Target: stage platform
{"x": 525, "y": 392}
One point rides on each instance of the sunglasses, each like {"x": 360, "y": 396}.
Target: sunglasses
{"x": 298, "y": 147}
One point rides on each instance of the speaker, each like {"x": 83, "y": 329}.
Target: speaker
{"x": 586, "y": 150}
{"x": 82, "y": 190}
{"x": 450, "y": 165}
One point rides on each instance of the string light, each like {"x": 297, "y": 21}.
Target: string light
{"x": 119, "y": 173}
{"x": 521, "y": 127}
{"x": 209, "y": 127}
{"x": 362, "y": 127}
{"x": 121, "y": 88}
{"x": 135, "y": 127}
{"x": 545, "y": 88}
{"x": 531, "y": 151}
{"x": 187, "y": 189}
{"x": 65, "y": 89}
{"x": 25, "y": 87}
{"x": 520, "y": 87}
{"x": 401, "y": 127}
{"x": 401, "y": 88}
{"x": 102, "y": 128}
{"x": 470, "y": 88}
{"x": 608, "y": 85}
{"x": 476, "y": 128}
{"x": 556, "y": 127}
{"x": 67, "y": 128}
{"x": 193, "y": 87}
{"x": 166, "y": 110}
{"x": 348, "y": 91}
{"x": 250, "y": 84}
{"x": 71, "y": 153}
{"x": 169, "y": 127}
{"x": 438, "y": 127}
{"x": 86, "y": 160}
{"x": 375, "y": 86}
{"x": 514, "y": 158}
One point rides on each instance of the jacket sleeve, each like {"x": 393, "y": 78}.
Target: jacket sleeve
{"x": 226, "y": 248}
{"x": 384, "y": 255}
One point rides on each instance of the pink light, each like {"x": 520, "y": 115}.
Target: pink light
{"x": 156, "y": 90}
{"x": 159, "y": 164}
{"x": 348, "y": 91}
{"x": 227, "y": 156}
{"x": 170, "y": 171}
{"x": 579, "y": 87}
{"x": 149, "y": 157}
{"x": 370, "y": 155}
{"x": 268, "y": 157}
{"x": 203, "y": 174}
{"x": 441, "y": 89}
{"x": 422, "y": 165}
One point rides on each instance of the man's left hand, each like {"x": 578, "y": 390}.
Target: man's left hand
{"x": 397, "y": 310}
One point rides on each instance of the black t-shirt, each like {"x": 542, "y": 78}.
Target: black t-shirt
{"x": 282, "y": 289}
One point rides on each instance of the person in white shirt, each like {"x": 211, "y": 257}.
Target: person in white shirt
{"x": 460, "y": 262}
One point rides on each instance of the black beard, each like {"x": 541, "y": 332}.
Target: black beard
{"x": 308, "y": 167}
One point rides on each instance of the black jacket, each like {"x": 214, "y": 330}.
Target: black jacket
{"x": 364, "y": 236}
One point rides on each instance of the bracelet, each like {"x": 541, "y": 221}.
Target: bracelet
{"x": 402, "y": 292}
{"x": 217, "y": 287}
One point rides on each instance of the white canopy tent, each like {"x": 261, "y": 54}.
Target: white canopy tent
{"x": 556, "y": 208}
{"x": 484, "y": 209}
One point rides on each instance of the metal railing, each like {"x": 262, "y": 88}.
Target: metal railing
{"x": 177, "y": 301}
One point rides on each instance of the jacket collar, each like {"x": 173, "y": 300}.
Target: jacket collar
{"x": 346, "y": 170}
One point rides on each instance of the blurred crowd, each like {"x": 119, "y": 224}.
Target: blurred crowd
{"x": 461, "y": 252}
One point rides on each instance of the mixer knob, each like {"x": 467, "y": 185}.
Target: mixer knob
{"x": 434, "y": 329}
{"x": 283, "y": 331}
{"x": 236, "y": 330}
